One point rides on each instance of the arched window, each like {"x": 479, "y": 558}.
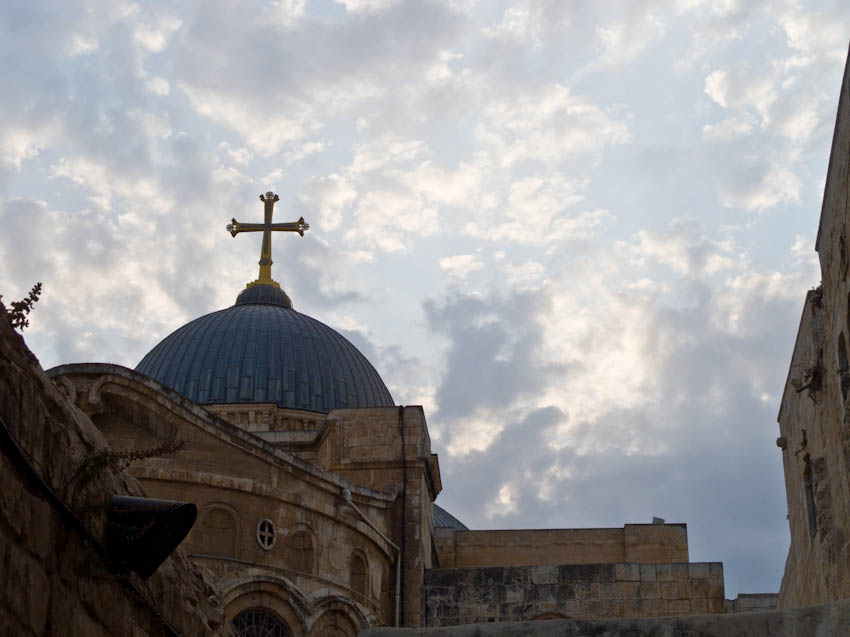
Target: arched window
{"x": 359, "y": 574}
{"x": 258, "y": 622}
{"x": 299, "y": 552}
{"x": 216, "y": 533}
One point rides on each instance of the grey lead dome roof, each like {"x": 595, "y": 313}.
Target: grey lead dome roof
{"x": 445, "y": 520}
{"x": 261, "y": 351}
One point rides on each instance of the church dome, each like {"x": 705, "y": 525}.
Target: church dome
{"x": 262, "y": 351}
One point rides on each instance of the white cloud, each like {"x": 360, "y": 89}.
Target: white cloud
{"x": 623, "y": 42}
{"x": 549, "y": 125}
{"x": 460, "y": 266}
{"x": 729, "y": 129}
{"x": 761, "y": 189}
{"x": 325, "y": 199}
{"x": 158, "y": 86}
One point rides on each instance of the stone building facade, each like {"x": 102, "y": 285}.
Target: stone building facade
{"x": 814, "y": 416}
{"x": 316, "y": 492}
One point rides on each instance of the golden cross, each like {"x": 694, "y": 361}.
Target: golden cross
{"x": 267, "y": 227}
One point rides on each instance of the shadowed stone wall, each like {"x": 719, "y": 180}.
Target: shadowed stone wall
{"x": 52, "y": 581}
{"x": 828, "y": 619}
{"x": 471, "y": 595}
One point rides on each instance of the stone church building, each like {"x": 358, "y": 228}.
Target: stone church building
{"x": 315, "y": 491}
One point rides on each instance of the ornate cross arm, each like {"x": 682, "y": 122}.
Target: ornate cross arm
{"x": 299, "y": 226}
{"x": 267, "y": 227}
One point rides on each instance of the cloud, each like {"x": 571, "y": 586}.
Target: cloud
{"x": 548, "y": 125}
{"x": 650, "y": 380}
{"x": 758, "y": 187}
{"x": 460, "y": 266}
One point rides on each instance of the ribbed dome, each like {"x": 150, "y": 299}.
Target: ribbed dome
{"x": 262, "y": 352}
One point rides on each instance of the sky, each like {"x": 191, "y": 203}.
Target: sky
{"x": 578, "y": 233}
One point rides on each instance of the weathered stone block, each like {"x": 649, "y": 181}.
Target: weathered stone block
{"x": 699, "y": 570}
{"x": 647, "y": 572}
{"x": 544, "y": 574}
{"x": 649, "y": 590}
{"x": 626, "y": 572}
{"x": 670, "y": 590}
{"x": 626, "y": 590}
{"x": 699, "y": 588}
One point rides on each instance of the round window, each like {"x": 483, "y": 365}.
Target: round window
{"x": 266, "y": 534}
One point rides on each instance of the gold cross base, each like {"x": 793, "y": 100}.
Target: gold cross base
{"x": 262, "y": 281}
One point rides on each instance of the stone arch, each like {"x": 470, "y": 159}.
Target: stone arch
{"x": 299, "y": 552}
{"x": 337, "y": 616}
{"x": 217, "y": 530}
{"x": 271, "y": 593}
{"x": 358, "y": 573}
{"x": 259, "y": 622}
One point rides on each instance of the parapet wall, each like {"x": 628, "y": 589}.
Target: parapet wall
{"x": 635, "y": 543}
{"x": 583, "y": 591}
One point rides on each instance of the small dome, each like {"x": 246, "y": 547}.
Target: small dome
{"x": 445, "y": 520}
{"x": 262, "y": 351}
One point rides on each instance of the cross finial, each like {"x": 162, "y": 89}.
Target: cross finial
{"x": 267, "y": 227}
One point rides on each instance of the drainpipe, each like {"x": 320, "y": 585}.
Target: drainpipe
{"x": 403, "y": 494}
{"x": 346, "y": 494}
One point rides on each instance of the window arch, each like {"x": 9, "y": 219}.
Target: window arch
{"x": 298, "y": 555}
{"x": 359, "y": 574}
{"x": 217, "y": 531}
{"x": 259, "y": 622}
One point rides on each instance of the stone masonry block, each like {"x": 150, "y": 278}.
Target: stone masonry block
{"x": 670, "y": 590}
{"x": 699, "y": 605}
{"x": 680, "y": 571}
{"x": 699, "y": 588}
{"x": 715, "y": 605}
{"x": 626, "y": 572}
{"x": 664, "y": 573}
{"x": 679, "y": 606}
{"x": 544, "y": 575}
{"x": 647, "y": 572}
{"x": 587, "y": 590}
{"x": 649, "y": 590}
{"x": 608, "y": 591}
{"x": 566, "y": 591}
{"x": 699, "y": 571}
{"x": 626, "y": 590}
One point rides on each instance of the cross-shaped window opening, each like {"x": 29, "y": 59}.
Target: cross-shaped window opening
{"x": 265, "y": 534}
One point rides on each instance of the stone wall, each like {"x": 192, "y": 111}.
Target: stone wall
{"x": 749, "y": 602}
{"x": 828, "y": 619}
{"x": 648, "y": 543}
{"x": 590, "y": 591}
{"x": 814, "y": 416}
{"x": 53, "y": 580}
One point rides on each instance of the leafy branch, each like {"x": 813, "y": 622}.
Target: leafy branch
{"x": 19, "y": 310}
